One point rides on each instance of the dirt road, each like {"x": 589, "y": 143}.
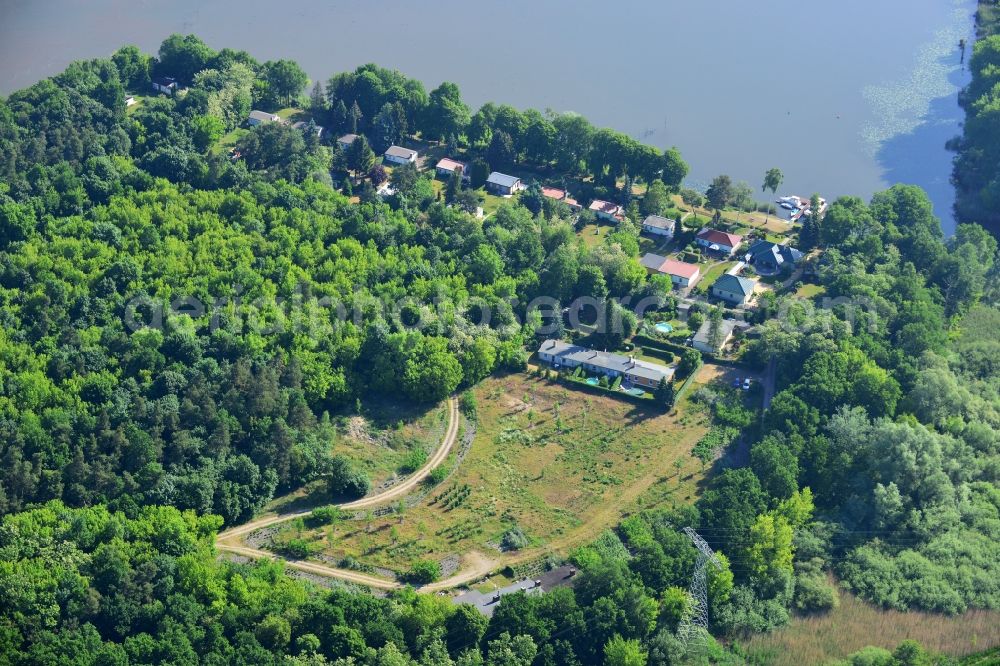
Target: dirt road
{"x": 231, "y": 540}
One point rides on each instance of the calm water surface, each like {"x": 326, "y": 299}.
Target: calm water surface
{"x": 845, "y": 97}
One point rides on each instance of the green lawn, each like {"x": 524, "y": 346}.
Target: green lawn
{"x": 228, "y": 141}
{"x": 810, "y": 291}
{"x": 712, "y": 274}
{"x": 140, "y": 99}
{"x": 293, "y": 114}
{"x": 594, "y": 234}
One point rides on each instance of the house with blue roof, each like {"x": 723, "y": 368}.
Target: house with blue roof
{"x": 769, "y": 258}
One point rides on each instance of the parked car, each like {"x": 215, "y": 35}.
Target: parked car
{"x": 746, "y": 384}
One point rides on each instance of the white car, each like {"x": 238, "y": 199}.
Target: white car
{"x": 746, "y": 384}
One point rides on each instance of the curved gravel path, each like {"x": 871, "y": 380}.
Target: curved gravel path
{"x": 231, "y": 540}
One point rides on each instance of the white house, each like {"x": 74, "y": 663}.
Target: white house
{"x": 400, "y": 155}
{"x": 607, "y": 210}
{"x": 682, "y": 274}
{"x": 643, "y": 374}
{"x": 129, "y": 101}
{"x": 165, "y": 85}
{"x": 659, "y": 226}
{"x": 447, "y": 166}
{"x": 733, "y": 289}
{"x": 502, "y": 184}
{"x": 702, "y": 340}
{"x": 261, "y": 117}
{"x": 718, "y": 241}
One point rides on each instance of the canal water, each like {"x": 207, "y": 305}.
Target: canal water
{"x": 845, "y": 97}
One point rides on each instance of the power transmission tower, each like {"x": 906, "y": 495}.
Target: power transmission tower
{"x": 694, "y": 629}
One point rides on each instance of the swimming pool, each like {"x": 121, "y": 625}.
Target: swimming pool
{"x": 663, "y": 327}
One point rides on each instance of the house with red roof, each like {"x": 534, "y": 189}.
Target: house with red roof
{"x": 607, "y": 211}
{"x": 682, "y": 274}
{"x": 718, "y": 241}
{"x": 557, "y": 194}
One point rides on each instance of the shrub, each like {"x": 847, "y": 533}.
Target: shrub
{"x": 871, "y": 656}
{"x": 513, "y": 539}
{"x": 298, "y": 549}
{"x": 413, "y": 460}
{"x": 436, "y": 475}
{"x": 423, "y": 572}
{"x": 690, "y": 361}
{"x": 467, "y": 403}
{"x": 814, "y": 594}
{"x": 324, "y": 515}
{"x": 346, "y": 480}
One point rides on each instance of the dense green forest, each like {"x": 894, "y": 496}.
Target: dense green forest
{"x": 124, "y": 448}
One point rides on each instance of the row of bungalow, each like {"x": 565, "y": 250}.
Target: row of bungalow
{"x": 633, "y": 372}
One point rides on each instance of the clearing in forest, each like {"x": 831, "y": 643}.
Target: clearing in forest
{"x": 550, "y": 467}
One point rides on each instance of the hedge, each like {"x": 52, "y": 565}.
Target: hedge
{"x": 656, "y": 344}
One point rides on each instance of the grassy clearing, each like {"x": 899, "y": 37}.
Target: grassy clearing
{"x": 810, "y": 291}
{"x": 229, "y": 140}
{"x": 140, "y": 99}
{"x": 489, "y": 202}
{"x": 559, "y": 464}
{"x": 382, "y": 439}
{"x": 593, "y": 235}
{"x": 855, "y": 624}
{"x": 293, "y": 114}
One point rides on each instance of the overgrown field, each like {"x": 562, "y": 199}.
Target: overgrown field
{"x": 549, "y": 468}
{"x": 386, "y": 441}
{"x": 856, "y": 624}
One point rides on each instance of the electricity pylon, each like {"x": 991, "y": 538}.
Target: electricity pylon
{"x": 694, "y": 628}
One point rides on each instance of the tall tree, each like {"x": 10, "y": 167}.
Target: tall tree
{"x": 360, "y": 156}
{"x": 354, "y": 118}
{"x": 675, "y": 169}
{"x": 285, "y": 79}
{"x": 772, "y": 181}
{"x": 501, "y": 153}
{"x": 183, "y": 56}
{"x": 665, "y": 393}
{"x": 446, "y": 113}
{"x": 720, "y": 192}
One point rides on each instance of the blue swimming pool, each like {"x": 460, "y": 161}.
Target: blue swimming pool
{"x": 663, "y": 327}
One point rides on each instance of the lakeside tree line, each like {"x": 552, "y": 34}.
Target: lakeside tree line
{"x": 879, "y": 459}
{"x": 976, "y": 173}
